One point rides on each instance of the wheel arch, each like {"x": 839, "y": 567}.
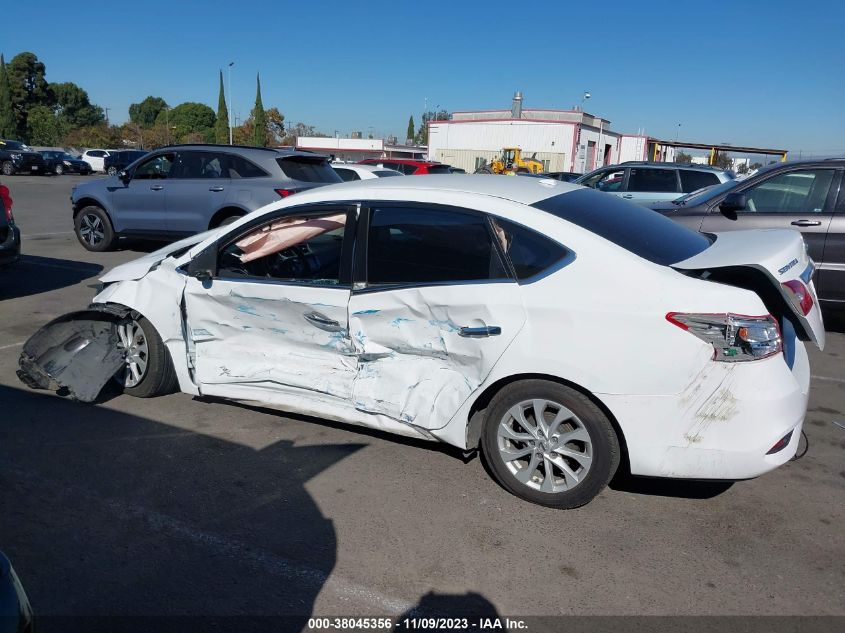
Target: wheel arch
{"x": 223, "y": 213}
{"x": 475, "y": 417}
{"x": 90, "y": 201}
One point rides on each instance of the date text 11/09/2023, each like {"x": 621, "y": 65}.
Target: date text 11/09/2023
{"x": 482, "y": 624}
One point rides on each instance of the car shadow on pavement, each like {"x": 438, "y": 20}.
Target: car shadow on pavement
{"x": 473, "y": 607}
{"x": 659, "y": 487}
{"x": 120, "y": 522}
{"x": 33, "y": 275}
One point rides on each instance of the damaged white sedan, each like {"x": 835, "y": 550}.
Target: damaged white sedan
{"x": 558, "y": 328}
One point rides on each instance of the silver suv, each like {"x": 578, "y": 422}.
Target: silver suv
{"x": 649, "y": 183}
{"x": 180, "y": 190}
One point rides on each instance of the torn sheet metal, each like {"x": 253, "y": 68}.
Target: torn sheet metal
{"x": 272, "y": 336}
{"x": 77, "y": 351}
{"x": 415, "y": 366}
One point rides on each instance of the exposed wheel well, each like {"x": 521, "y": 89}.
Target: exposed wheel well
{"x": 476, "y": 413}
{"x": 87, "y": 202}
{"x": 224, "y": 213}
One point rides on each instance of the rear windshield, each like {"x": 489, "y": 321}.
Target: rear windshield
{"x": 386, "y": 174}
{"x": 635, "y": 228}
{"x": 439, "y": 169}
{"x": 308, "y": 169}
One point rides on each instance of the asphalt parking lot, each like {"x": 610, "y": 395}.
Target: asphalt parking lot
{"x": 183, "y": 506}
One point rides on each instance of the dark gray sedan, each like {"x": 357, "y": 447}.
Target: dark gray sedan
{"x": 807, "y": 196}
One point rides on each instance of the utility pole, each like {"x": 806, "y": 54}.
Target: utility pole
{"x": 231, "y": 112}
{"x": 107, "y": 115}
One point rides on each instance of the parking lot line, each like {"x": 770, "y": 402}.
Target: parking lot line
{"x": 27, "y": 235}
{"x": 11, "y": 345}
{"x": 827, "y": 378}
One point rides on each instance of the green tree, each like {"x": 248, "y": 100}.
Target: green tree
{"x": 7, "y": 114}
{"x": 73, "y": 106}
{"x": 28, "y": 86}
{"x": 411, "y": 128}
{"x": 187, "y": 118}
{"x": 146, "y": 112}
{"x": 95, "y": 136}
{"x": 44, "y": 127}
{"x": 221, "y": 128}
{"x": 721, "y": 160}
{"x": 259, "y": 118}
{"x": 422, "y": 133}
{"x": 683, "y": 157}
{"x": 275, "y": 125}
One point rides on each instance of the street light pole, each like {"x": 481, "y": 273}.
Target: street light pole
{"x": 231, "y": 113}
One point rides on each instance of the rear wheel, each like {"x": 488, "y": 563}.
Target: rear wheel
{"x": 8, "y": 168}
{"x": 549, "y": 444}
{"x": 112, "y": 171}
{"x": 148, "y": 370}
{"x": 59, "y": 170}
{"x": 93, "y": 229}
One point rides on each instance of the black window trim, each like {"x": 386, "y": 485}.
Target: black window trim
{"x": 360, "y": 284}
{"x": 208, "y": 258}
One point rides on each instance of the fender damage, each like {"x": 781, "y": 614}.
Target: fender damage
{"x": 77, "y": 352}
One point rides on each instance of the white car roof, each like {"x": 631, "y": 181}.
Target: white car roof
{"x": 363, "y": 168}
{"x": 522, "y": 190}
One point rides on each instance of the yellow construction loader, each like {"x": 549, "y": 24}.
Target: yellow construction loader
{"x": 511, "y": 161}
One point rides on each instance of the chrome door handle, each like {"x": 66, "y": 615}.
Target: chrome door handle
{"x": 215, "y": 188}
{"x": 157, "y": 187}
{"x": 480, "y": 332}
{"x": 323, "y": 322}
{"x": 806, "y": 223}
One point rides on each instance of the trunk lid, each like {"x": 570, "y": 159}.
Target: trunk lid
{"x": 780, "y": 254}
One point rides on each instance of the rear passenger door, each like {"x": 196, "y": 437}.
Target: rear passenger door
{"x": 432, "y": 311}
{"x": 649, "y": 185}
{"x": 798, "y": 199}
{"x": 831, "y": 275}
{"x": 198, "y": 188}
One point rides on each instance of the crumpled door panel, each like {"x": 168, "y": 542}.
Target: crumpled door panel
{"x": 77, "y": 352}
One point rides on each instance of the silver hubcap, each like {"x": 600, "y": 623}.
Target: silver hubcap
{"x": 544, "y": 445}
{"x": 133, "y": 342}
{"x": 91, "y": 229}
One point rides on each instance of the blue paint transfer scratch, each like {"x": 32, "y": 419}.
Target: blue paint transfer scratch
{"x": 446, "y": 325}
{"x": 398, "y": 321}
{"x": 247, "y": 309}
{"x": 366, "y": 312}
{"x": 278, "y": 330}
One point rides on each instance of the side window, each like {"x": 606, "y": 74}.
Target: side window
{"x": 97, "y": 153}
{"x": 695, "y": 180}
{"x": 155, "y": 168}
{"x": 239, "y": 167}
{"x": 608, "y": 180}
{"x": 304, "y": 249}
{"x": 347, "y": 175}
{"x": 529, "y": 252}
{"x": 198, "y": 165}
{"x": 653, "y": 180}
{"x": 793, "y": 192}
{"x": 419, "y": 245}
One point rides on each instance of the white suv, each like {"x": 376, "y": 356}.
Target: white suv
{"x": 95, "y": 158}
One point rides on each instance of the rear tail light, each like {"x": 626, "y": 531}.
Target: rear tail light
{"x": 284, "y": 193}
{"x": 800, "y": 295}
{"x": 6, "y": 203}
{"x": 734, "y": 337}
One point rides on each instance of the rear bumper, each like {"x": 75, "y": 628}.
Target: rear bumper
{"x": 722, "y": 425}
{"x": 10, "y": 245}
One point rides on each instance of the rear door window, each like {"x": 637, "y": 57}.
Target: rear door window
{"x": 695, "y": 180}
{"x": 653, "y": 180}
{"x": 239, "y": 167}
{"x": 308, "y": 169}
{"x": 439, "y": 169}
{"x": 794, "y": 192}
{"x": 198, "y": 165}
{"x": 423, "y": 245}
{"x": 347, "y": 175}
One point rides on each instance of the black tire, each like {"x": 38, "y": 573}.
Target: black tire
{"x": 603, "y": 445}
{"x": 59, "y": 170}
{"x": 104, "y": 238}
{"x": 159, "y": 377}
{"x": 8, "y": 168}
{"x": 483, "y": 170}
{"x": 112, "y": 171}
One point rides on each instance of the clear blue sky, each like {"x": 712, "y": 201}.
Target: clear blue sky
{"x": 756, "y": 73}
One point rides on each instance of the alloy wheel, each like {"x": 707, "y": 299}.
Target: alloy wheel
{"x": 544, "y": 445}
{"x": 133, "y": 342}
{"x": 91, "y": 229}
